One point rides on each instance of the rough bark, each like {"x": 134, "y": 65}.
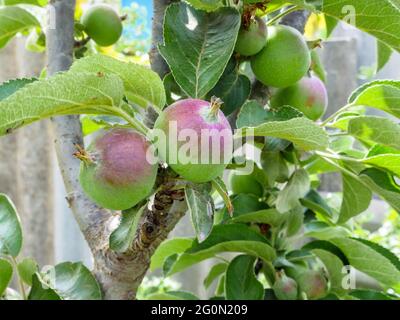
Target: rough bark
{"x": 119, "y": 274}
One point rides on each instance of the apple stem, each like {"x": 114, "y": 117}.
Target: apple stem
{"x": 82, "y": 155}
{"x": 216, "y": 104}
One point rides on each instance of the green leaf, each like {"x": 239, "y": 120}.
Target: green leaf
{"x": 66, "y": 281}
{"x": 327, "y": 246}
{"x": 9, "y": 87}
{"x": 40, "y": 3}
{"x": 198, "y": 45}
{"x": 301, "y": 131}
{"x": 169, "y": 263}
{"x": 382, "y": 184}
{"x": 384, "y": 53}
{"x": 268, "y": 216}
{"x": 41, "y": 290}
{"x": 73, "y": 281}
{"x": 10, "y": 228}
{"x": 214, "y": 273}
{"x": 172, "y": 295}
{"x": 363, "y": 294}
{"x": 369, "y": 261}
{"x": 297, "y": 188}
{"x": 232, "y": 88}
{"x": 201, "y": 208}
{"x": 6, "y": 272}
{"x": 63, "y": 94}
{"x": 356, "y": 198}
{"x": 379, "y": 94}
{"x": 316, "y": 203}
{"x": 275, "y": 167}
{"x": 251, "y": 114}
{"x": 208, "y": 5}
{"x": 242, "y": 203}
{"x": 241, "y": 282}
{"x": 331, "y": 24}
{"x": 14, "y": 20}
{"x": 168, "y": 248}
{"x": 294, "y": 221}
{"x": 226, "y": 238}
{"x": 26, "y": 269}
{"x": 220, "y": 186}
{"x": 334, "y": 267}
{"x": 389, "y": 162}
{"x": 142, "y": 85}
{"x": 383, "y": 251}
{"x": 323, "y": 231}
{"x": 364, "y": 13}
{"x": 373, "y": 129}
{"x": 122, "y": 237}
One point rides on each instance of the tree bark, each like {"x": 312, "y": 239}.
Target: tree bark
{"x": 119, "y": 274}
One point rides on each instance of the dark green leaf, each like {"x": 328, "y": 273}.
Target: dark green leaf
{"x": 6, "y": 272}
{"x": 251, "y": 114}
{"x": 316, "y": 203}
{"x": 198, "y": 45}
{"x": 241, "y": 282}
{"x": 10, "y": 228}
{"x": 268, "y": 216}
{"x": 122, "y": 237}
{"x": 364, "y": 294}
{"x": 73, "y": 281}
{"x": 384, "y": 53}
{"x": 369, "y": 261}
{"x": 9, "y": 87}
{"x": 214, "y": 273}
{"x": 201, "y": 208}
{"x": 356, "y": 198}
{"x": 328, "y": 246}
{"x": 232, "y": 88}
{"x": 382, "y": 184}
{"x": 41, "y": 291}
{"x": 168, "y": 248}
{"x": 226, "y": 238}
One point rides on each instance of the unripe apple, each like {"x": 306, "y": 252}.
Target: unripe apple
{"x": 245, "y": 183}
{"x": 309, "y": 95}
{"x": 116, "y": 169}
{"x": 198, "y": 139}
{"x": 102, "y": 24}
{"x": 252, "y": 37}
{"x": 313, "y": 283}
{"x": 284, "y": 60}
{"x": 285, "y": 288}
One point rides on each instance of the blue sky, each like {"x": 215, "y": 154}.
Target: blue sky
{"x": 146, "y": 3}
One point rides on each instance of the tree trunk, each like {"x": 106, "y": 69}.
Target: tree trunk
{"x": 119, "y": 274}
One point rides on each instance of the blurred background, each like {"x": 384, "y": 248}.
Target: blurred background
{"x": 29, "y": 172}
